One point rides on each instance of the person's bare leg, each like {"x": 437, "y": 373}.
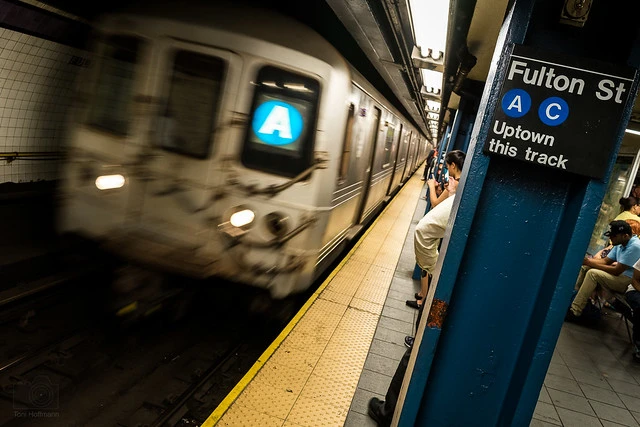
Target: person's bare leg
{"x": 424, "y": 288}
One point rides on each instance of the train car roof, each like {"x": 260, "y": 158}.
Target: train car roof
{"x": 259, "y": 23}
{"x": 244, "y": 19}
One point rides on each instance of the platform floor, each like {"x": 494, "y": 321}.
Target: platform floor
{"x": 345, "y": 344}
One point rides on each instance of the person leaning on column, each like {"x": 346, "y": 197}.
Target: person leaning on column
{"x": 613, "y": 272}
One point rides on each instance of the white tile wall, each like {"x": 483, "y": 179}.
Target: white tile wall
{"x": 36, "y": 89}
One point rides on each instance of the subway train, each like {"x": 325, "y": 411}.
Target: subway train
{"x": 228, "y": 142}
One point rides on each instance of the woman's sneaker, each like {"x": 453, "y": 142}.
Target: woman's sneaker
{"x": 408, "y": 341}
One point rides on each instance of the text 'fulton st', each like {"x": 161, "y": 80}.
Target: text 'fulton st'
{"x": 504, "y": 147}
{"x": 544, "y": 76}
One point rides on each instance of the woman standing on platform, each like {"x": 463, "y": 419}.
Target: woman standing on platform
{"x": 430, "y": 229}
{"x": 428, "y": 166}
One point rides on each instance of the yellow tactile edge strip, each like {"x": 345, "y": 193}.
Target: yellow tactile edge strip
{"x": 253, "y": 371}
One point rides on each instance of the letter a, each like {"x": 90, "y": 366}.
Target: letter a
{"x": 277, "y": 120}
{"x": 516, "y": 103}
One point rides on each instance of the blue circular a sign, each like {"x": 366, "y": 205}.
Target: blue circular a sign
{"x": 277, "y": 123}
{"x": 516, "y": 103}
{"x": 553, "y": 111}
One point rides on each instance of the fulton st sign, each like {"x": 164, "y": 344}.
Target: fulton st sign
{"x": 558, "y": 111}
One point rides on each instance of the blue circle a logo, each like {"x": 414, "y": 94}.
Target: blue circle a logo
{"x": 277, "y": 123}
{"x": 516, "y": 103}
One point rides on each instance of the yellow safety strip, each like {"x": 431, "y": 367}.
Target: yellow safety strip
{"x": 244, "y": 382}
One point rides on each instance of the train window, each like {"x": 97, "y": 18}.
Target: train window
{"x": 346, "y": 145}
{"x": 111, "y": 104}
{"x": 187, "y": 121}
{"x": 388, "y": 146}
{"x": 280, "y": 135}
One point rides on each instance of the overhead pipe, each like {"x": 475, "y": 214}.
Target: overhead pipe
{"x": 467, "y": 62}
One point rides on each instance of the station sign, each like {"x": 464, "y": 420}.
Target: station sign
{"x": 559, "y": 111}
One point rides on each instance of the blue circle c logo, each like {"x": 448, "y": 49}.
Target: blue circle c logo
{"x": 516, "y": 103}
{"x": 277, "y": 123}
{"x": 553, "y": 111}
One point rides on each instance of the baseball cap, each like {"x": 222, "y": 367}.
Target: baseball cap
{"x": 618, "y": 227}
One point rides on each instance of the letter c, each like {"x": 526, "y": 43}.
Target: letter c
{"x": 553, "y": 111}
{"x": 548, "y": 110}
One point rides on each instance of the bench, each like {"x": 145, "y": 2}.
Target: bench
{"x": 623, "y": 307}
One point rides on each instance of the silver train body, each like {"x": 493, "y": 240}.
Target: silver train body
{"x": 228, "y": 144}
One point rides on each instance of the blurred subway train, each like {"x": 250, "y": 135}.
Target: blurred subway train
{"x": 228, "y": 142}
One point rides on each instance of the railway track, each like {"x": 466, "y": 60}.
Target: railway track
{"x": 76, "y": 366}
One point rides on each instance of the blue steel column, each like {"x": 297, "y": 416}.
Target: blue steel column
{"x": 511, "y": 257}
{"x": 465, "y": 110}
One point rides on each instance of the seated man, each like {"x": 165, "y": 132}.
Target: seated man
{"x": 633, "y": 298}
{"x": 613, "y": 272}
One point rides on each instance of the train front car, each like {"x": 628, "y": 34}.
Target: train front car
{"x": 205, "y": 145}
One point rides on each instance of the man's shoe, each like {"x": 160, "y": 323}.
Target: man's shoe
{"x": 583, "y": 320}
{"x": 413, "y": 304}
{"x": 408, "y": 341}
{"x": 570, "y": 317}
{"x": 376, "y": 411}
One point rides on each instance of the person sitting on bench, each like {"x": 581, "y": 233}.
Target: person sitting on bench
{"x": 613, "y": 272}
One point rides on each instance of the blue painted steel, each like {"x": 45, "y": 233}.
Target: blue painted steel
{"x": 511, "y": 260}
{"x": 463, "y": 133}
{"x": 454, "y": 130}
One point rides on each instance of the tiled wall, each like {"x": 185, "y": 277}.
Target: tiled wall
{"x": 36, "y": 90}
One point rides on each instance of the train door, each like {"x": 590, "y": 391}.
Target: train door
{"x": 413, "y": 148}
{"x": 407, "y": 168}
{"x": 372, "y": 143}
{"x": 345, "y": 200}
{"x": 405, "y": 154}
{"x": 194, "y": 86}
{"x": 397, "y": 144}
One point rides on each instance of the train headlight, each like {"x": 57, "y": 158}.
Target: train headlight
{"x": 242, "y": 218}
{"x": 109, "y": 182}
{"x": 277, "y": 223}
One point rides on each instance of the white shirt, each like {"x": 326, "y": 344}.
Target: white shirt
{"x": 428, "y": 233}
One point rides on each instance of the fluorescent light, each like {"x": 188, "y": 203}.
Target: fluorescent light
{"x": 635, "y": 132}
{"x": 432, "y": 79}
{"x": 430, "y": 20}
{"x": 109, "y": 182}
{"x": 433, "y": 105}
{"x": 297, "y": 87}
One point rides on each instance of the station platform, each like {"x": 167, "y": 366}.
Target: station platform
{"x": 344, "y": 345}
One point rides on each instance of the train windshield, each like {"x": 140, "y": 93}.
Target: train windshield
{"x": 186, "y": 124}
{"x": 283, "y": 115}
{"x": 111, "y": 104}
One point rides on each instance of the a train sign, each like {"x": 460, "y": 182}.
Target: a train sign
{"x": 277, "y": 123}
{"x": 559, "y": 111}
